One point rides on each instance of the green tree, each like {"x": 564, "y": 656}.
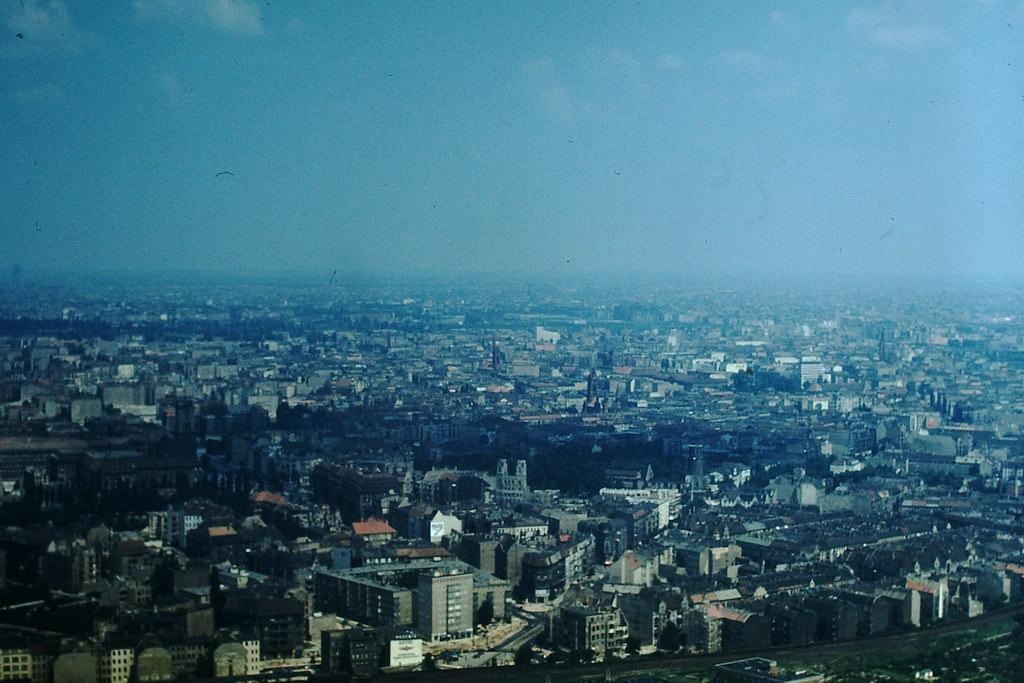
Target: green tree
{"x": 671, "y": 638}
{"x": 485, "y": 614}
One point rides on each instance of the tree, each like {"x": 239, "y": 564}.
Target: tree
{"x": 485, "y": 614}
{"x": 283, "y": 415}
{"x": 759, "y": 477}
{"x": 671, "y": 638}
{"x": 755, "y": 381}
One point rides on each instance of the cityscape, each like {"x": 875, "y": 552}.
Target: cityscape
{"x": 295, "y": 480}
{"x": 439, "y": 340}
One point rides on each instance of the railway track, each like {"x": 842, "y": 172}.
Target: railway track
{"x": 611, "y": 670}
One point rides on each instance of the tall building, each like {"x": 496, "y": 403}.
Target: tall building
{"x": 812, "y": 370}
{"x": 178, "y": 414}
{"x": 696, "y": 466}
{"x": 479, "y": 551}
{"x": 495, "y": 356}
{"x": 444, "y": 603}
{"x": 353, "y": 596}
{"x": 887, "y": 345}
{"x": 592, "y": 403}
{"x": 389, "y": 594}
{"x": 178, "y": 522}
{"x": 511, "y": 489}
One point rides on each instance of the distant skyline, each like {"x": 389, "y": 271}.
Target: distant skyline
{"x": 676, "y": 139}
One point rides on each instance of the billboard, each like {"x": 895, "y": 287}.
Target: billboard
{"x": 406, "y": 652}
{"x": 436, "y": 531}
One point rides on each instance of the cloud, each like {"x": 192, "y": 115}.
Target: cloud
{"x": 151, "y": 9}
{"x": 886, "y": 28}
{"x": 236, "y": 16}
{"x": 550, "y": 94}
{"x": 168, "y": 85}
{"x": 43, "y": 24}
{"x": 42, "y": 21}
{"x": 624, "y": 66}
{"x": 171, "y": 88}
{"x": 744, "y": 59}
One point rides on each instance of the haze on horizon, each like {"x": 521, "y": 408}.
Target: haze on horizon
{"x": 742, "y": 139}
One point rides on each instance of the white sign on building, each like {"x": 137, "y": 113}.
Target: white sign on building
{"x": 406, "y": 652}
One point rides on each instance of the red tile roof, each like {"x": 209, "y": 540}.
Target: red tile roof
{"x": 371, "y": 527}
{"x": 268, "y": 497}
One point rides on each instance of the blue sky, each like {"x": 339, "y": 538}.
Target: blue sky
{"x": 819, "y": 139}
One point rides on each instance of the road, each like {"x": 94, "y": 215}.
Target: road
{"x": 516, "y": 641}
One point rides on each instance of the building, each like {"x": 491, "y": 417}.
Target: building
{"x": 405, "y": 650}
{"x": 647, "y": 614}
{"x": 362, "y": 598}
{"x": 934, "y": 596}
{"x": 363, "y": 652}
{"x": 357, "y": 495}
{"x": 444, "y": 604}
{"x": 702, "y": 633}
{"x": 153, "y": 663}
{"x": 80, "y": 667}
{"x": 177, "y": 414}
{"x": 522, "y": 529}
{"x": 16, "y": 663}
{"x": 385, "y": 594}
{"x": 373, "y": 532}
{"x": 511, "y": 489}
{"x": 479, "y": 551}
{"x": 790, "y": 624}
{"x": 116, "y": 663}
{"x": 279, "y": 624}
{"x": 837, "y": 620}
{"x": 812, "y": 370}
{"x": 703, "y": 559}
{"x": 543, "y": 575}
{"x": 178, "y": 523}
{"x": 546, "y": 573}
{"x": 236, "y": 659}
{"x": 760, "y": 670}
{"x": 85, "y": 408}
{"x": 602, "y": 630}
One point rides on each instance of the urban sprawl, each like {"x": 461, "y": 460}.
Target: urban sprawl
{"x": 357, "y": 479}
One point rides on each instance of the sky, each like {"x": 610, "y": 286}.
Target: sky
{"x": 824, "y": 140}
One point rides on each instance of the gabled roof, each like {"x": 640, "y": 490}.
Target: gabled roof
{"x": 720, "y": 612}
{"x": 421, "y": 553}
{"x": 268, "y": 497}
{"x": 716, "y": 596}
{"x": 372, "y": 526}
